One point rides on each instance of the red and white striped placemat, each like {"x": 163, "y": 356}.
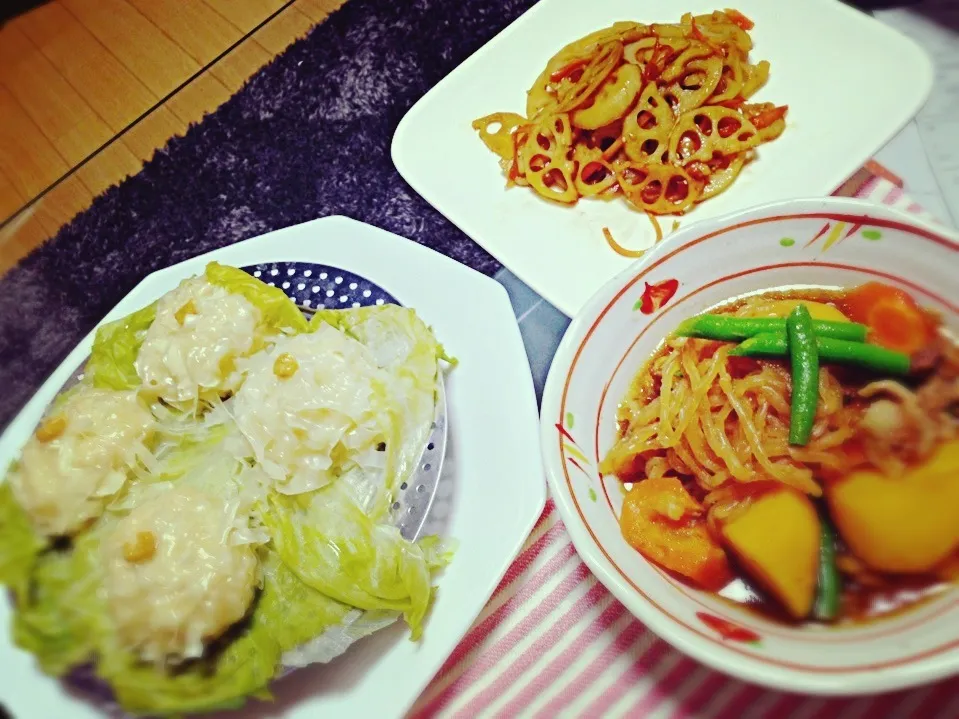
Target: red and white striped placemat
{"x": 553, "y": 642}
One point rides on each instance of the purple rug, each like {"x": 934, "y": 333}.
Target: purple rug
{"x": 308, "y": 136}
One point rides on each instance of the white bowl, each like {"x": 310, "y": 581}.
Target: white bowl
{"x": 822, "y": 242}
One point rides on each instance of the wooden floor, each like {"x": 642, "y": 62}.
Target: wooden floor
{"x": 90, "y": 89}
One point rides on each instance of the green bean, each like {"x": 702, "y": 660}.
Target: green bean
{"x": 830, "y": 585}
{"x": 804, "y": 358}
{"x": 871, "y": 357}
{"x": 733, "y": 329}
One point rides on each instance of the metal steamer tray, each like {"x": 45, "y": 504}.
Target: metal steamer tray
{"x": 315, "y": 287}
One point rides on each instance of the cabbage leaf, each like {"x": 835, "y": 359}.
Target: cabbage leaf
{"x": 61, "y": 615}
{"x": 19, "y": 543}
{"x": 279, "y": 311}
{"x": 112, "y": 363}
{"x": 334, "y": 547}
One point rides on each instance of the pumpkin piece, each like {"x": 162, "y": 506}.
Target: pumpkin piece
{"x": 776, "y": 540}
{"x": 663, "y": 522}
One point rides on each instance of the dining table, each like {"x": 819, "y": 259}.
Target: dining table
{"x": 301, "y": 141}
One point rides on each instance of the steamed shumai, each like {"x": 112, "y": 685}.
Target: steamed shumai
{"x": 190, "y": 351}
{"x": 175, "y": 575}
{"x": 80, "y": 456}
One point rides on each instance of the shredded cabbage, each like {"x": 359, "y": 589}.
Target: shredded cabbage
{"x": 404, "y": 347}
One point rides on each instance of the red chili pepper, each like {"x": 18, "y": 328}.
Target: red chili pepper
{"x": 567, "y": 70}
{"x": 657, "y": 62}
{"x": 768, "y": 117}
{"x": 739, "y": 19}
{"x": 728, "y": 630}
{"x": 733, "y": 103}
{"x": 655, "y": 296}
{"x": 698, "y": 34}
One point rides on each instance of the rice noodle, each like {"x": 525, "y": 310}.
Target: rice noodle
{"x": 691, "y": 413}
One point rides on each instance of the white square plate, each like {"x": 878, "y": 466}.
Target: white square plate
{"x": 850, "y": 82}
{"x": 493, "y": 476}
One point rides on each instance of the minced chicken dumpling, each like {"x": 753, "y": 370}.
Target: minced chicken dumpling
{"x": 174, "y": 579}
{"x": 189, "y": 351}
{"x": 307, "y": 403}
{"x": 79, "y": 457}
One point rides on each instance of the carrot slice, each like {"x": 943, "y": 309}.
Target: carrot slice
{"x": 667, "y": 525}
{"x": 896, "y": 320}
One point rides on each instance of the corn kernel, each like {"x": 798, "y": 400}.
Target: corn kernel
{"x": 141, "y": 549}
{"x": 51, "y": 428}
{"x": 181, "y": 314}
{"x": 285, "y": 366}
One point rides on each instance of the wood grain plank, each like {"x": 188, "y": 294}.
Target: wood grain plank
{"x": 202, "y": 96}
{"x": 156, "y": 60}
{"x": 240, "y": 64}
{"x": 27, "y": 158}
{"x": 153, "y": 132}
{"x": 204, "y": 34}
{"x": 62, "y": 203}
{"x": 109, "y": 167}
{"x": 318, "y": 10}
{"x": 245, "y": 14}
{"x": 19, "y": 238}
{"x": 283, "y": 30}
{"x": 11, "y": 199}
{"x": 100, "y": 79}
{"x": 198, "y": 29}
{"x": 62, "y": 115}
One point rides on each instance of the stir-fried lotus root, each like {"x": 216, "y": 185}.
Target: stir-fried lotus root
{"x": 656, "y": 113}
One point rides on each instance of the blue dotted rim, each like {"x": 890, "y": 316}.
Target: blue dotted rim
{"x": 320, "y": 287}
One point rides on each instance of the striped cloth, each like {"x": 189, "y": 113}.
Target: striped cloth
{"x": 553, "y": 642}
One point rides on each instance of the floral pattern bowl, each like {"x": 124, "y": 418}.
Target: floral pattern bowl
{"x": 823, "y": 242}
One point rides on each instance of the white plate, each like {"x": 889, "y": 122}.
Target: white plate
{"x": 825, "y": 57}
{"x": 493, "y": 457}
